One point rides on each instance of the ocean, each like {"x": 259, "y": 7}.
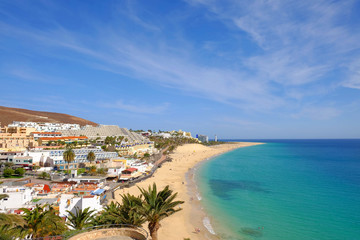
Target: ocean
{"x": 284, "y": 190}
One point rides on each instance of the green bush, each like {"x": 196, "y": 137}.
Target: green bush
{"x": 44, "y": 175}
{"x": 8, "y": 172}
{"x": 20, "y": 171}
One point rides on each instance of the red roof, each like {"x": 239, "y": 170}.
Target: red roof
{"x": 46, "y": 188}
{"x": 131, "y": 169}
{"x": 88, "y": 196}
{"x": 18, "y": 211}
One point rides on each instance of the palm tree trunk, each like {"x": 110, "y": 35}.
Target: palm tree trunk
{"x": 153, "y": 228}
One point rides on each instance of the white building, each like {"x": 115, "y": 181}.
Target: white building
{"x": 24, "y": 161}
{"x": 102, "y": 131}
{"x": 18, "y": 197}
{"x": 142, "y": 166}
{"x": 100, "y": 181}
{"x": 164, "y": 135}
{"x": 46, "y": 126}
{"x": 70, "y": 202}
{"x": 115, "y": 171}
{"x": 203, "y": 138}
{"x": 38, "y": 135}
{"x": 55, "y": 157}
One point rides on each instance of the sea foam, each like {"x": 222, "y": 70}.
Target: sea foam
{"x": 207, "y": 224}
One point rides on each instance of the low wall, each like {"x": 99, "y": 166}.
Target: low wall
{"x": 110, "y": 232}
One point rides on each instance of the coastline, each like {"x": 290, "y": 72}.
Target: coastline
{"x": 177, "y": 174}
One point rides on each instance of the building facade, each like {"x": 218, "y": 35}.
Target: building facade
{"x": 136, "y": 148}
{"x": 38, "y": 135}
{"x": 16, "y": 138}
{"x": 203, "y": 138}
{"x": 18, "y": 196}
{"x": 102, "y": 131}
{"x": 71, "y": 203}
{"x": 54, "y": 158}
{"x": 69, "y": 139}
{"x": 46, "y": 126}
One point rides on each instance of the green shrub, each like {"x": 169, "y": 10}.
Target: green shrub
{"x": 20, "y": 171}
{"x": 8, "y": 172}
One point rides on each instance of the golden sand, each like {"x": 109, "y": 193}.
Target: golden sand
{"x": 183, "y": 223}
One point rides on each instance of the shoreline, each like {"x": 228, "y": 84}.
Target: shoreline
{"x": 177, "y": 174}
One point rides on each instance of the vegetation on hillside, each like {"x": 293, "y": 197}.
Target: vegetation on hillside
{"x": 171, "y": 143}
{"x": 212, "y": 143}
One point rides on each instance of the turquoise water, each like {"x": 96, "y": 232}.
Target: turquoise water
{"x": 290, "y": 190}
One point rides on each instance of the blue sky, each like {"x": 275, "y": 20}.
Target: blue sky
{"x": 238, "y": 69}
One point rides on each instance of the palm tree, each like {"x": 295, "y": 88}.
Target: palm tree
{"x": 42, "y": 222}
{"x": 91, "y": 156}
{"x": 81, "y": 219}
{"x": 93, "y": 170}
{"x": 129, "y": 212}
{"x": 69, "y": 156}
{"x": 2, "y": 196}
{"x": 157, "y": 206}
{"x": 11, "y": 226}
{"x": 106, "y": 216}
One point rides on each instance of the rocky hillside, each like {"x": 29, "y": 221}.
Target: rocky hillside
{"x": 8, "y": 115}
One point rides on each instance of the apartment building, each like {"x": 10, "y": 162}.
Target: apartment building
{"x": 38, "y": 135}
{"x": 46, "y": 126}
{"x": 102, "y": 131}
{"x": 16, "y": 138}
{"x": 69, "y": 139}
{"x": 5, "y": 155}
{"x": 136, "y": 148}
{"x": 202, "y": 138}
{"x": 54, "y": 158}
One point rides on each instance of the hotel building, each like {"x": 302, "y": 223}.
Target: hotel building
{"x": 16, "y": 138}
{"x": 54, "y": 158}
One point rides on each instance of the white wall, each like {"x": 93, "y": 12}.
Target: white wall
{"x": 115, "y": 171}
{"x": 140, "y": 167}
{"x": 38, "y": 156}
{"x": 17, "y": 197}
{"x": 69, "y": 202}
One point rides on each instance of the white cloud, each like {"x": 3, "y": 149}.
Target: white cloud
{"x": 136, "y": 107}
{"x": 317, "y": 113}
{"x": 299, "y": 43}
{"x": 353, "y": 80}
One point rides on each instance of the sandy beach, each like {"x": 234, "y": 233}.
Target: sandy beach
{"x": 183, "y": 223}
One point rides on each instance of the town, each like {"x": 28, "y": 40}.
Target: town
{"x": 69, "y": 166}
